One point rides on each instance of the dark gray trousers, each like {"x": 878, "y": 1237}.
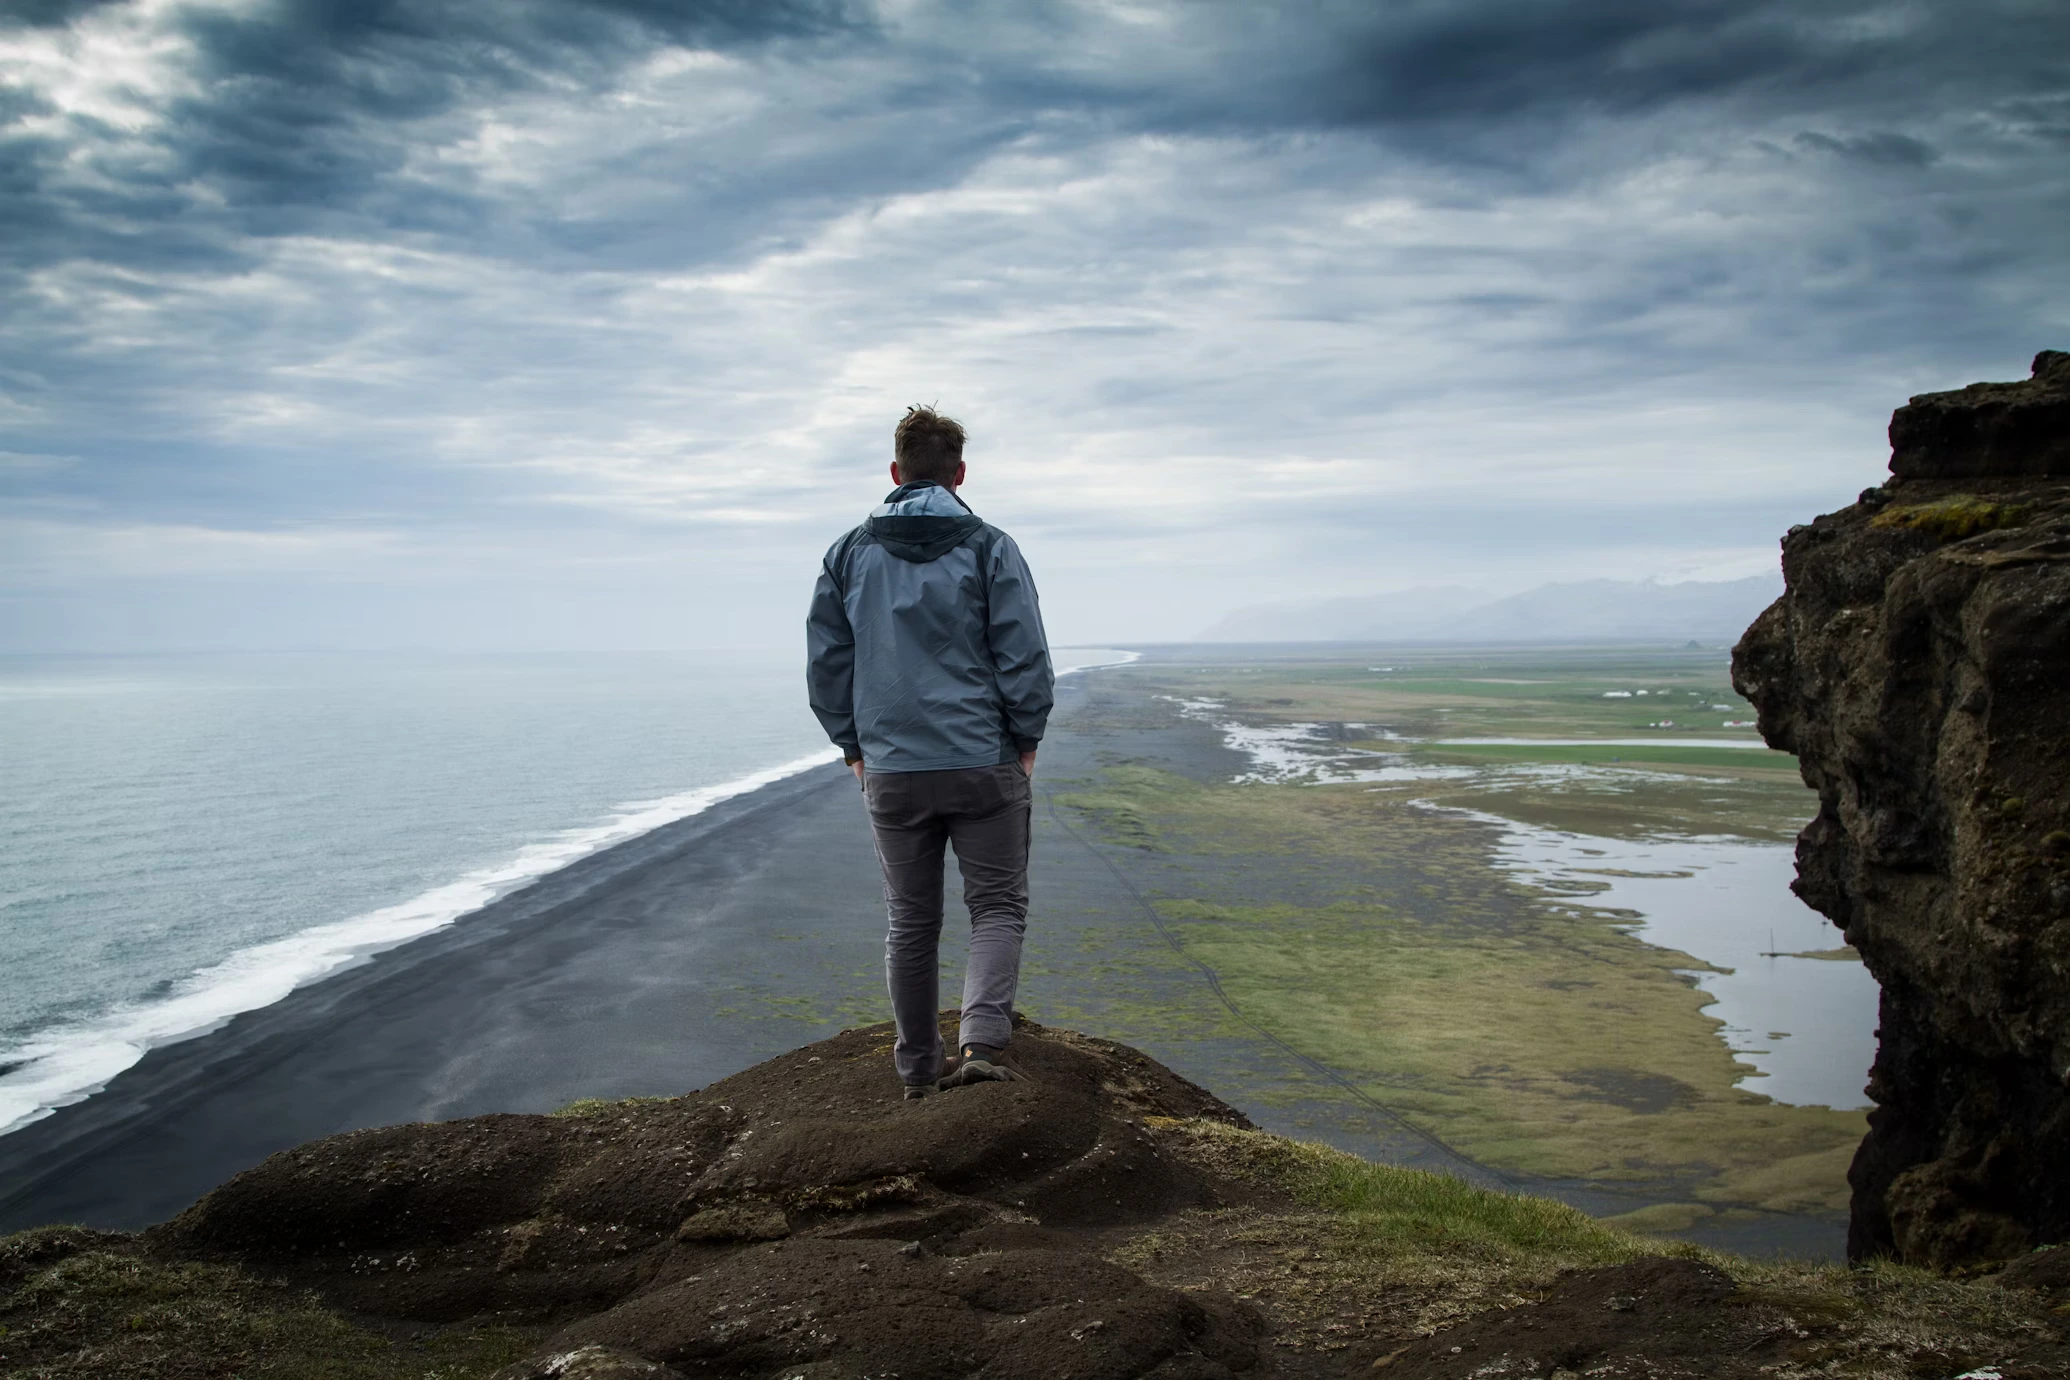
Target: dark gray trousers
{"x": 984, "y": 813}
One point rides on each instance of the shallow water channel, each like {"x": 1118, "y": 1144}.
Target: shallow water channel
{"x": 1805, "y": 1025}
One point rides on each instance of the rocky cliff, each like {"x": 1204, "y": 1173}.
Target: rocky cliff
{"x": 1918, "y": 664}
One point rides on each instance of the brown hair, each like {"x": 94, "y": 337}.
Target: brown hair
{"x": 927, "y": 445}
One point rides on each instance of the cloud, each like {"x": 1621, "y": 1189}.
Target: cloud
{"x": 21, "y": 461}
{"x": 43, "y": 14}
{"x": 1887, "y": 148}
{"x": 47, "y": 551}
{"x": 1233, "y": 297}
{"x": 167, "y": 134}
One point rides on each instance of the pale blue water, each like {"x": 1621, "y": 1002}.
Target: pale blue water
{"x": 185, "y": 838}
{"x": 172, "y": 829}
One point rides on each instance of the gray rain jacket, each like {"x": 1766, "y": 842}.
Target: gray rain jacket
{"x": 925, "y": 640}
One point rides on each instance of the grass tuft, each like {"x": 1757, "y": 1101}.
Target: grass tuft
{"x": 1401, "y": 1253}
{"x": 1397, "y": 1212}
{"x": 1408, "y": 1217}
{"x": 599, "y": 1106}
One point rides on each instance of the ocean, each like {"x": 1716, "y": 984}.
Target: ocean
{"x": 186, "y": 838}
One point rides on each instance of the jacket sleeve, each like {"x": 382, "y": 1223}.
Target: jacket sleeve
{"x": 1020, "y": 652}
{"x": 830, "y": 664}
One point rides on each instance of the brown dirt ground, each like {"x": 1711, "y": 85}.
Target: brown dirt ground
{"x": 799, "y": 1220}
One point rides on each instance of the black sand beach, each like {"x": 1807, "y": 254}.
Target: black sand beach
{"x": 688, "y": 954}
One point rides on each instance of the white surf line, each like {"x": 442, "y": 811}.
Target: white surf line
{"x": 68, "y": 1064}
{"x": 1125, "y": 658}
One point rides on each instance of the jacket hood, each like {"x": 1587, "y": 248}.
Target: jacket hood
{"x": 922, "y": 522}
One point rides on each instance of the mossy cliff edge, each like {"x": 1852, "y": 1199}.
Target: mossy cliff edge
{"x": 1918, "y": 664}
{"x": 800, "y": 1221}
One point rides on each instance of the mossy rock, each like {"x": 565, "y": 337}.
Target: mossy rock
{"x": 1952, "y": 518}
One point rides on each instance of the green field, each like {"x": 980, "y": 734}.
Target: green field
{"x": 1524, "y": 1028}
{"x": 1736, "y": 759}
{"x": 1554, "y": 694}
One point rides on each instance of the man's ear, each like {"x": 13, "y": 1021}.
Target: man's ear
{"x": 895, "y": 477}
{"x": 957, "y": 482}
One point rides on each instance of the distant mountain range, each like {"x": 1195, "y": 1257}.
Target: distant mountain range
{"x": 1584, "y": 611}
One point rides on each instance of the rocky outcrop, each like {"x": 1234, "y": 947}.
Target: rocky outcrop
{"x": 1918, "y": 664}
{"x": 1104, "y": 1220}
{"x": 790, "y": 1220}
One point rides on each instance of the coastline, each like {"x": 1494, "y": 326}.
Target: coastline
{"x": 495, "y": 1014}
{"x": 66, "y": 1066}
{"x": 71, "y": 1060}
{"x": 686, "y": 954}
{"x": 784, "y": 844}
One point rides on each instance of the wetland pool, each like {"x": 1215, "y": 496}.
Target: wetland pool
{"x": 1805, "y": 1026}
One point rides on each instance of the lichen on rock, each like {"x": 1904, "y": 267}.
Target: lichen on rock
{"x": 1918, "y": 664}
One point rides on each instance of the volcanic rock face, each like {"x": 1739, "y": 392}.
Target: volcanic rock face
{"x": 1918, "y": 663}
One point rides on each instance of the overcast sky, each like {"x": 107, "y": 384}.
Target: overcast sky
{"x": 577, "y": 324}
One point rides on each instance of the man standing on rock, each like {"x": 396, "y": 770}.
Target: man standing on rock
{"x": 929, "y": 670}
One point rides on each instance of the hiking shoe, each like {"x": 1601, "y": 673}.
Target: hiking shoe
{"x": 977, "y": 1066}
{"x": 916, "y": 1091}
{"x": 989, "y": 1053}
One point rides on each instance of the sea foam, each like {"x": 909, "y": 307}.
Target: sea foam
{"x": 68, "y": 1064}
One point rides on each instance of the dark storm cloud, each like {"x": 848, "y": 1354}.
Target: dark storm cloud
{"x": 309, "y": 64}
{"x": 309, "y": 110}
{"x": 309, "y": 113}
{"x": 437, "y": 267}
{"x": 1506, "y": 59}
{"x": 43, "y": 14}
{"x": 1894, "y": 149}
{"x": 1451, "y": 75}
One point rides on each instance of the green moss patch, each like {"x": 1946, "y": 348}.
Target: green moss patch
{"x": 1952, "y": 518}
{"x": 603, "y": 1106}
